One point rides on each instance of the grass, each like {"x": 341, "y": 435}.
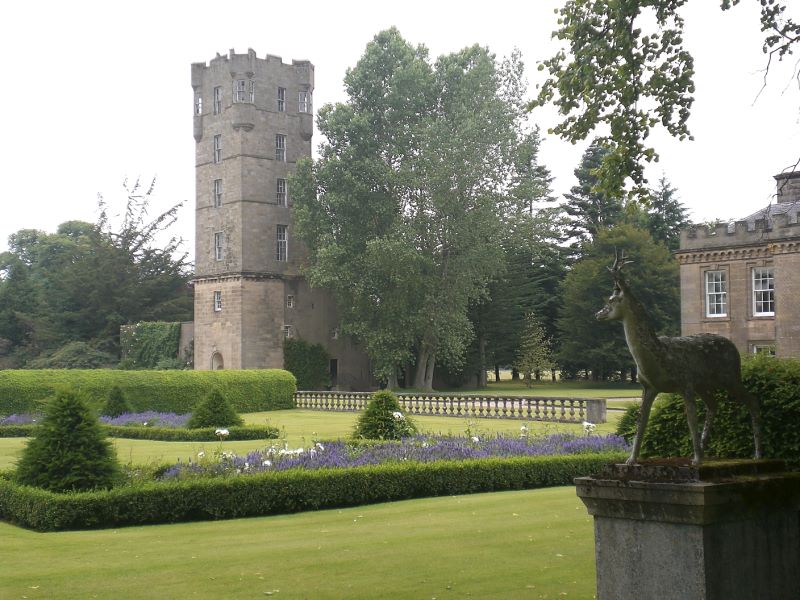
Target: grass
{"x": 300, "y": 428}
{"x": 529, "y": 544}
{"x": 573, "y": 389}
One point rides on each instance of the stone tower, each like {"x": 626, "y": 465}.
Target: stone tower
{"x": 253, "y": 119}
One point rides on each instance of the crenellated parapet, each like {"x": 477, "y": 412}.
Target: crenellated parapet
{"x": 774, "y": 224}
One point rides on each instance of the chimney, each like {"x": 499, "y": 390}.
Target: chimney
{"x": 788, "y": 187}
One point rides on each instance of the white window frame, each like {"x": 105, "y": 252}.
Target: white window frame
{"x": 217, "y": 104}
{"x": 280, "y": 147}
{"x": 217, "y": 193}
{"x": 217, "y": 301}
{"x": 244, "y": 91}
{"x": 715, "y": 292}
{"x": 288, "y": 331}
{"x": 763, "y": 285}
{"x": 282, "y": 243}
{"x": 198, "y": 104}
{"x": 281, "y": 99}
{"x": 219, "y": 245}
{"x": 762, "y": 348}
{"x": 218, "y": 148}
{"x": 281, "y": 195}
{"x": 290, "y": 301}
{"x": 304, "y": 102}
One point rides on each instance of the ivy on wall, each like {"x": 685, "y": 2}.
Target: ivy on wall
{"x": 146, "y": 344}
{"x": 308, "y": 362}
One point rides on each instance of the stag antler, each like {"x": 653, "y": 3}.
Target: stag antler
{"x": 619, "y": 262}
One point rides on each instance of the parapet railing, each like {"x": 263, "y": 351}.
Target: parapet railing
{"x": 529, "y": 408}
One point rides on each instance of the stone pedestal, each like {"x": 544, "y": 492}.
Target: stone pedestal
{"x": 727, "y": 530}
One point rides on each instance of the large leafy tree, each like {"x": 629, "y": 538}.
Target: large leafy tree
{"x": 600, "y": 347}
{"x": 626, "y": 71}
{"x": 84, "y": 281}
{"x": 404, "y": 211}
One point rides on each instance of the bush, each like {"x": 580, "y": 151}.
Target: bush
{"x": 626, "y": 426}
{"x": 116, "y": 404}
{"x": 286, "y": 491}
{"x": 145, "y": 344}
{"x": 309, "y": 363}
{"x": 69, "y": 451}
{"x": 774, "y": 382}
{"x": 383, "y": 419}
{"x": 164, "y": 434}
{"x": 214, "y": 411}
{"x": 75, "y": 355}
{"x": 23, "y": 391}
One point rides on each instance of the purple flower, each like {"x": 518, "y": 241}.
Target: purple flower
{"x": 23, "y": 419}
{"x": 147, "y": 419}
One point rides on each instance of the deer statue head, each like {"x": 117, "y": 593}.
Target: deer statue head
{"x": 616, "y": 306}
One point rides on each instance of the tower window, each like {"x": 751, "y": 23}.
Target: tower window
{"x": 288, "y": 331}
{"x": 280, "y": 193}
{"x": 282, "y": 243}
{"x": 244, "y": 90}
{"x": 304, "y": 104}
{"x": 217, "y": 100}
{"x": 281, "y": 99}
{"x": 217, "y": 301}
{"x": 198, "y": 104}
{"x": 763, "y": 292}
{"x": 290, "y": 301}
{"x": 280, "y": 147}
{"x": 219, "y": 242}
{"x": 218, "y": 148}
{"x": 217, "y": 193}
{"x": 716, "y": 294}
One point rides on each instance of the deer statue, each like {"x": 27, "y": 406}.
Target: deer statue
{"x": 695, "y": 366}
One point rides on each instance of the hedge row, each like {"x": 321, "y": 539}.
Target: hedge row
{"x": 163, "y": 434}
{"x": 23, "y": 391}
{"x": 285, "y": 492}
{"x": 776, "y": 385}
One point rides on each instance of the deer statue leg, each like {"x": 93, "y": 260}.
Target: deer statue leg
{"x": 745, "y": 396}
{"x": 711, "y": 411}
{"x": 694, "y": 431}
{"x": 648, "y": 395}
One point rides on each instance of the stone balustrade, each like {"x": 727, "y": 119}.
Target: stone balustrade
{"x": 527, "y": 408}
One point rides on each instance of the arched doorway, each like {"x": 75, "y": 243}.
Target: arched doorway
{"x": 216, "y": 362}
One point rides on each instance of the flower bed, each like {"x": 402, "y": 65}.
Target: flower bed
{"x": 423, "y": 449}
{"x": 148, "y": 418}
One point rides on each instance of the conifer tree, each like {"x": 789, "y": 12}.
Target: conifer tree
{"x": 534, "y": 350}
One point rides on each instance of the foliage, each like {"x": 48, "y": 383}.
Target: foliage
{"x": 116, "y": 404}
{"x": 403, "y": 210}
{"x": 309, "y": 363}
{"x": 74, "y": 355}
{"x": 653, "y": 276}
{"x": 69, "y": 451}
{"x": 286, "y": 492}
{"x": 83, "y": 282}
{"x": 23, "y": 391}
{"x": 214, "y": 411}
{"x": 534, "y": 350}
{"x": 383, "y": 419}
{"x": 627, "y": 71}
{"x": 626, "y": 426}
{"x": 165, "y": 434}
{"x": 775, "y": 382}
{"x": 666, "y": 216}
{"x": 145, "y": 344}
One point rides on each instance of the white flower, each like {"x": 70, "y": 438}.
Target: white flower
{"x": 201, "y": 454}
{"x": 320, "y": 446}
{"x": 145, "y": 423}
{"x": 475, "y": 439}
{"x": 266, "y": 463}
{"x": 588, "y": 427}
{"x": 222, "y": 432}
{"x": 524, "y": 429}
{"x": 398, "y": 415}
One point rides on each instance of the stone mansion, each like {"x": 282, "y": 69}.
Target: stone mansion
{"x": 742, "y": 280}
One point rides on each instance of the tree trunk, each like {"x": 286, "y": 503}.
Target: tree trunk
{"x": 514, "y": 375}
{"x": 391, "y": 384}
{"x": 482, "y": 373}
{"x": 429, "y": 371}
{"x": 496, "y": 373}
{"x": 422, "y": 363}
{"x": 553, "y": 375}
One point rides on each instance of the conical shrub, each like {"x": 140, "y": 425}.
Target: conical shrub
{"x": 116, "y": 404}
{"x": 383, "y": 419}
{"x": 69, "y": 451}
{"x": 214, "y": 411}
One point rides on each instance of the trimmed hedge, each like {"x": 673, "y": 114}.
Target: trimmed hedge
{"x": 164, "y": 434}
{"x": 25, "y": 391}
{"x": 774, "y": 382}
{"x": 286, "y": 491}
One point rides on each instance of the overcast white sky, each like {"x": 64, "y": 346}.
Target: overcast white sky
{"x": 97, "y": 91}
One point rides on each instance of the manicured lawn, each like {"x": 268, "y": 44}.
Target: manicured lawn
{"x": 573, "y": 389}
{"x": 530, "y": 544}
{"x": 300, "y": 428}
